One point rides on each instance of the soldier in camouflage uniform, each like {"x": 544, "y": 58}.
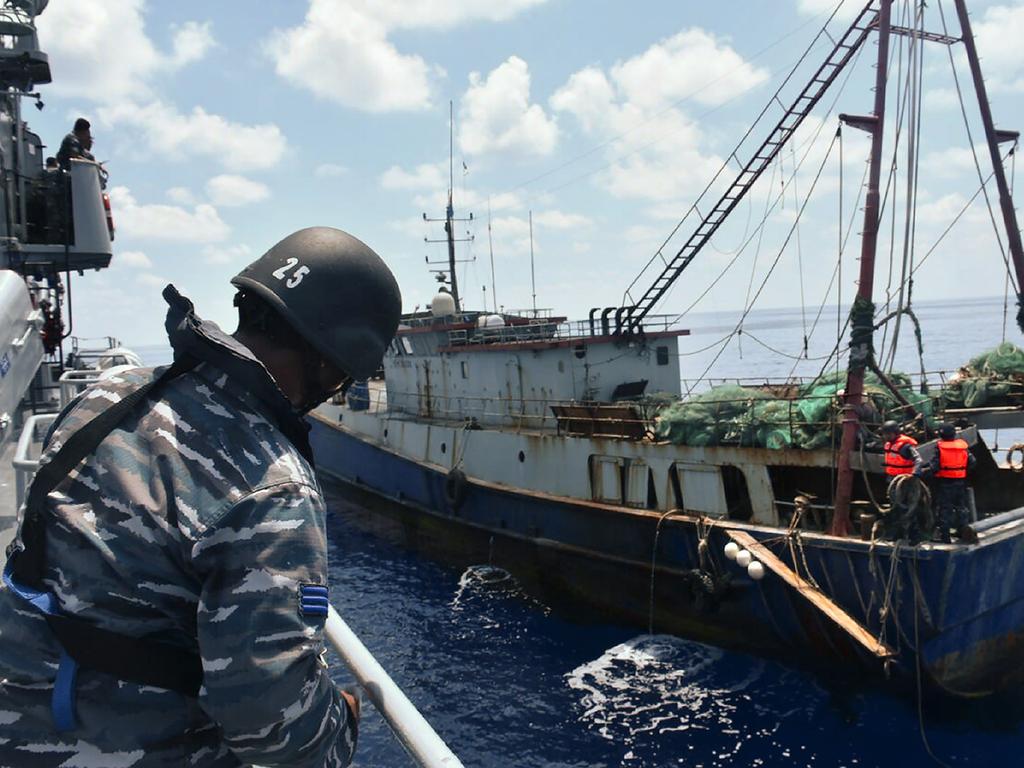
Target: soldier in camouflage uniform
{"x": 198, "y": 521}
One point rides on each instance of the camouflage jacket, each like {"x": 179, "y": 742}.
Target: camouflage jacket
{"x": 196, "y": 520}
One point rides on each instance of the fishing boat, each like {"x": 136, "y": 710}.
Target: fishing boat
{"x": 554, "y": 445}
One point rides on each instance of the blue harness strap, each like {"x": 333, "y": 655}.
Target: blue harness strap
{"x": 62, "y": 703}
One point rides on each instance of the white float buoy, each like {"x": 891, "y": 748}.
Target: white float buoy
{"x": 743, "y": 558}
{"x": 731, "y": 550}
{"x": 755, "y": 570}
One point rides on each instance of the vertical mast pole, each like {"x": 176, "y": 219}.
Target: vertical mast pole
{"x": 1005, "y": 201}
{"x": 449, "y": 224}
{"x": 863, "y": 320}
{"x": 533, "y": 276}
{"x": 490, "y": 244}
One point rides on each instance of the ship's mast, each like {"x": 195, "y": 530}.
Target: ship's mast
{"x": 450, "y": 220}
{"x": 449, "y": 217}
{"x": 862, "y": 317}
{"x": 993, "y": 138}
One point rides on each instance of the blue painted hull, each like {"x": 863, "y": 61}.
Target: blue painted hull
{"x": 962, "y": 606}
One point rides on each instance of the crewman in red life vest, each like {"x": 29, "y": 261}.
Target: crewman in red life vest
{"x": 950, "y": 465}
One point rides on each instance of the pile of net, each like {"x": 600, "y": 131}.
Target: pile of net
{"x": 991, "y": 379}
{"x": 798, "y": 416}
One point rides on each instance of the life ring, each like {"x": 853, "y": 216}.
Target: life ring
{"x": 455, "y": 488}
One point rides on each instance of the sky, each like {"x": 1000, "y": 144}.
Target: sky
{"x": 225, "y": 126}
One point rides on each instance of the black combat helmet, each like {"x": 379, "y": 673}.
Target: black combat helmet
{"x": 890, "y": 427}
{"x": 334, "y": 291}
{"x": 947, "y": 431}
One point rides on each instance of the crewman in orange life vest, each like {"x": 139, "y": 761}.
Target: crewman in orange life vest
{"x": 902, "y": 458}
{"x": 901, "y": 455}
{"x": 949, "y": 467}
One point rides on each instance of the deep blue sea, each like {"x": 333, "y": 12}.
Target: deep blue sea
{"x": 509, "y": 681}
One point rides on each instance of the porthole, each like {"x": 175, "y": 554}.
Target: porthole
{"x": 443, "y": 447}
{"x": 522, "y": 457}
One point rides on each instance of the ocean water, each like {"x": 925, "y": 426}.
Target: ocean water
{"x": 510, "y": 682}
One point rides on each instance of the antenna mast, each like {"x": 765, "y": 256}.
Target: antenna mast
{"x": 449, "y": 216}
{"x": 533, "y": 275}
{"x": 490, "y": 243}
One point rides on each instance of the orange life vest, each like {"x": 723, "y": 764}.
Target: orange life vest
{"x": 952, "y": 459}
{"x": 894, "y": 463}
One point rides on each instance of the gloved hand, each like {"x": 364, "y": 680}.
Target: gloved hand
{"x": 353, "y": 699}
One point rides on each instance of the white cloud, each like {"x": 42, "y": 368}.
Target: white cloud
{"x": 849, "y": 8}
{"x": 467, "y": 200}
{"x": 101, "y": 50}
{"x": 430, "y": 176}
{"x": 229, "y": 190}
{"x": 342, "y": 51}
{"x": 165, "y": 222}
{"x": 239, "y": 255}
{"x": 440, "y": 14}
{"x": 496, "y": 114}
{"x": 135, "y": 259}
{"x": 998, "y": 37}
{"x": 192, "y": 40}
{"x": 692, "y": 63}
{"x": 180, "y": 195}
{"x": 329, "y": 170}
{"x": 172, "y": 134}
{"x": 656, "y": 151}
{"x": 152, "y": 280}
{"x": 555, "y": 219}
{"x": 103, "y": 53}
{"x": 951, "y": 162}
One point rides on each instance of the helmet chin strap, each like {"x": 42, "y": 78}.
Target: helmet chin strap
{"x": 314, "y": 392}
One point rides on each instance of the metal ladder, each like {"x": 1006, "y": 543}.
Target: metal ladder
{"x": 793, "y": 116}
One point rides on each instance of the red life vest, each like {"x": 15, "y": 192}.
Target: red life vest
{"x": 952, "y": 459}
{"x": 894, "y": 463}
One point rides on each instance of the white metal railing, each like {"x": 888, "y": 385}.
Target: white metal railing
{"x": 411, "y": 729}
{"x": 25, "y": 463}
{"x": 73, "y": 382}
{"x": 416, "y": 735}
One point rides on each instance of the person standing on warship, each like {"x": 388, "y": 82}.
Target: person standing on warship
{"x": 76, "y": 144}
{"x": 165, "y": 599}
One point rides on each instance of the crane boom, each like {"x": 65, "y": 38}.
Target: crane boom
{"x": 794, "y": 115}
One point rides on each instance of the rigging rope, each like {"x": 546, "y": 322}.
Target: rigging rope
{"x": 913, "y": 155}
{"x": 775, "y": 263}
{"x": 776, "y": 166}
{"x": 768, "y": 105}
{"x": 893, "y": 165}
{"x": 809, "y": 143}
{"x": 974, "y": 153}
{"x": 799, "y": 255}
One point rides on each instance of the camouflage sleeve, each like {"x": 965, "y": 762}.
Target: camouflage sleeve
{"x": 265, "y": 681}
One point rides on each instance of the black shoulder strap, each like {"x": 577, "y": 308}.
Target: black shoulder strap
{"x": 86, "y": 439}
{"x": 138, "y": 660}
